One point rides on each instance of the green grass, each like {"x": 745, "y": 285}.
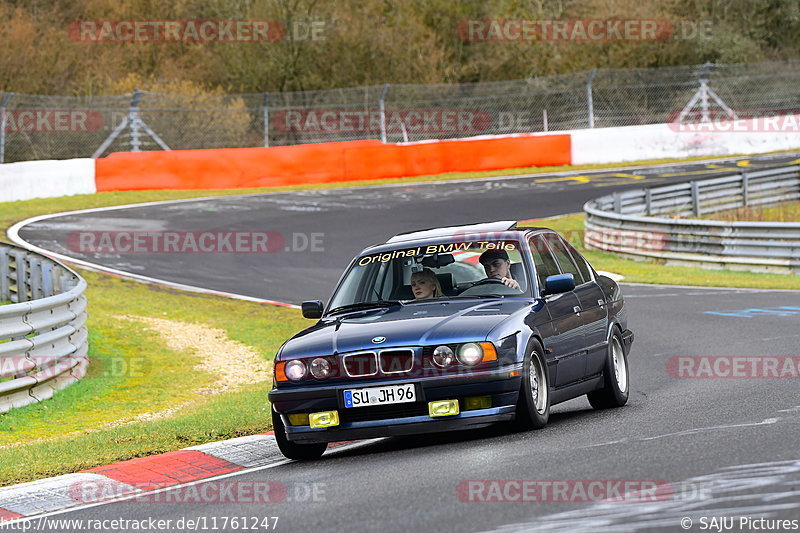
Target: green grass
{"x": 788, "y": 212}
{"x": 656, "y": 272}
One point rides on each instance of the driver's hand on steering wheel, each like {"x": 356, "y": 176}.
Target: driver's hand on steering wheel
{"x": 509, "y": 282}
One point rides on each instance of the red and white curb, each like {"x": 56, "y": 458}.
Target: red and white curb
{"x": 139, "y": 477}
{"x": 136, "y": 476}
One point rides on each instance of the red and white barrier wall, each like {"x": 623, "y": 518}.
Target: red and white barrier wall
{"x": 371, "y": 159}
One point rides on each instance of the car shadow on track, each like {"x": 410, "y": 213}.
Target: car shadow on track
{"x": 500, "y": 431}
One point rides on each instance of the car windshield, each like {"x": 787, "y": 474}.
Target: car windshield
{"x": 446, "y": 270}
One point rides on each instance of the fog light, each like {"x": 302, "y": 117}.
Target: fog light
{"x": 443, "y": 408}
{"x": 324, "y": 419}
{"x": 298, "y": 419}
{"x": 477, "y": 402}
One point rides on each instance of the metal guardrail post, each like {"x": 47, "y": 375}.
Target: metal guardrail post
{"x": 648, "y": 201}
{"x": 382, "y": 107}
{"x": 746, "y": 189}
{"x": 21, "y": 272}
{"x": 617, "y": 203}
{"x": 695, "y": 198}
{"x": 3, "y": 122}
{"x": 589, "y": 98}
{"x": 5, "y": 295}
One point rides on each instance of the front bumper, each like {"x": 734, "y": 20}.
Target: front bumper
{"x": 496, "y": 383}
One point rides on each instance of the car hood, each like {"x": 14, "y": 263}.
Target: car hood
{"x": 414, "y": 324}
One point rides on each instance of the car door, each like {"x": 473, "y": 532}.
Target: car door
{"x": 594, "y": 315}
{"x": 576, "y": 361}
{"x": 567, "y": 342}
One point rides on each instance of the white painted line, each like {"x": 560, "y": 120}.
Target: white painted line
{"x": 13, "y": 235}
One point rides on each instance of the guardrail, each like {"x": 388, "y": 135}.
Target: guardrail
{"x": 43, "y": 335}
{"x": 648, "y": 223}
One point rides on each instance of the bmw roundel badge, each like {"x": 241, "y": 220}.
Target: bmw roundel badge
{"x": 378, "y": 340}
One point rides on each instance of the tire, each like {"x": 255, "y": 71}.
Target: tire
{"x": 294, "y": 450}
{"x": 616, "y": 383}
{"x": 533, "y": 404}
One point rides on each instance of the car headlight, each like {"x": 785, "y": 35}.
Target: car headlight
{"x": 295, "y": 369}
{"x": 443, "y": 356}
{"x": 470, "y": 354}
{"x": 320, "y": 368}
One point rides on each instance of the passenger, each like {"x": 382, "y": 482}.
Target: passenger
{"x": 425, "y": 284}
{"x": 497, "y": 265}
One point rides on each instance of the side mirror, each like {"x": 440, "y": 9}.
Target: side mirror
{"x": 312, "y": 309}
{"x": 559, "y": 283}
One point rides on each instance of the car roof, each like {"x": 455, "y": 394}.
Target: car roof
{"x": 485, "y": 227}
{"x": 504, "y": 229}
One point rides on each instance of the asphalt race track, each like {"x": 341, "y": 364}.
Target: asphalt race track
{"x": 724, "y": 447}
{"x": 340, "y": 222}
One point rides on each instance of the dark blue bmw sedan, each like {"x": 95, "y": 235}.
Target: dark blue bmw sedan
{"x": 448, "y": 329}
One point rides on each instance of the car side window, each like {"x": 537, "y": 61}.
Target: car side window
{"x": 564, "y": 258}
{"x": 543, "y": 260}
{"x": 583, "y": 266}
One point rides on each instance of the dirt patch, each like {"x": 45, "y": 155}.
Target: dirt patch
{"x": 233, "y": 363}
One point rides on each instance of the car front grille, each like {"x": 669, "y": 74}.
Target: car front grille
{"x": 360, "y": 364}
{"x": 396, "y": 361}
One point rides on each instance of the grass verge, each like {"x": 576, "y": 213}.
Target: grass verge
{"x": 788, "y": 212}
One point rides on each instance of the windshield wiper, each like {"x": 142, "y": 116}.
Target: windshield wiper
{"x": 365, "y": 305}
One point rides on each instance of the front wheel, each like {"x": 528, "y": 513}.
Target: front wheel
{"x": 615, "y": 383}
{"x": 533, "y": 404}
{"x": 294, "y": 450}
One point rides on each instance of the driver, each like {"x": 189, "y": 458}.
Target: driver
{"x": 498, "y": 266}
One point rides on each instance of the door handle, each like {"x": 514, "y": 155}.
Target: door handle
{"x": 601, "y": 303}
{"x": 577, "y": 309}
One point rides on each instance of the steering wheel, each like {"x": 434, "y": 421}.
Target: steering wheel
{"x": 488, "y": 281}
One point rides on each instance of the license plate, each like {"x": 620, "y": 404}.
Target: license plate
{"x": 379, "y": 395}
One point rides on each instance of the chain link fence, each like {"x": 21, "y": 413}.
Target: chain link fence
{"x": 58, "y": 127}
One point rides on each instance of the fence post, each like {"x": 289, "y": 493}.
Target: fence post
{"x": 648, "y": 201}
{"x": 134, "y": 120}
{"x": 695, "y": 198}
{"x": 3, "y": 106}
{"x": 544, "y": 119}
{"x": 617, "y": 203}
{"x": 589, "y": 99}
{"x": 265, "y": 115}
{"x": 382, "y": 106}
